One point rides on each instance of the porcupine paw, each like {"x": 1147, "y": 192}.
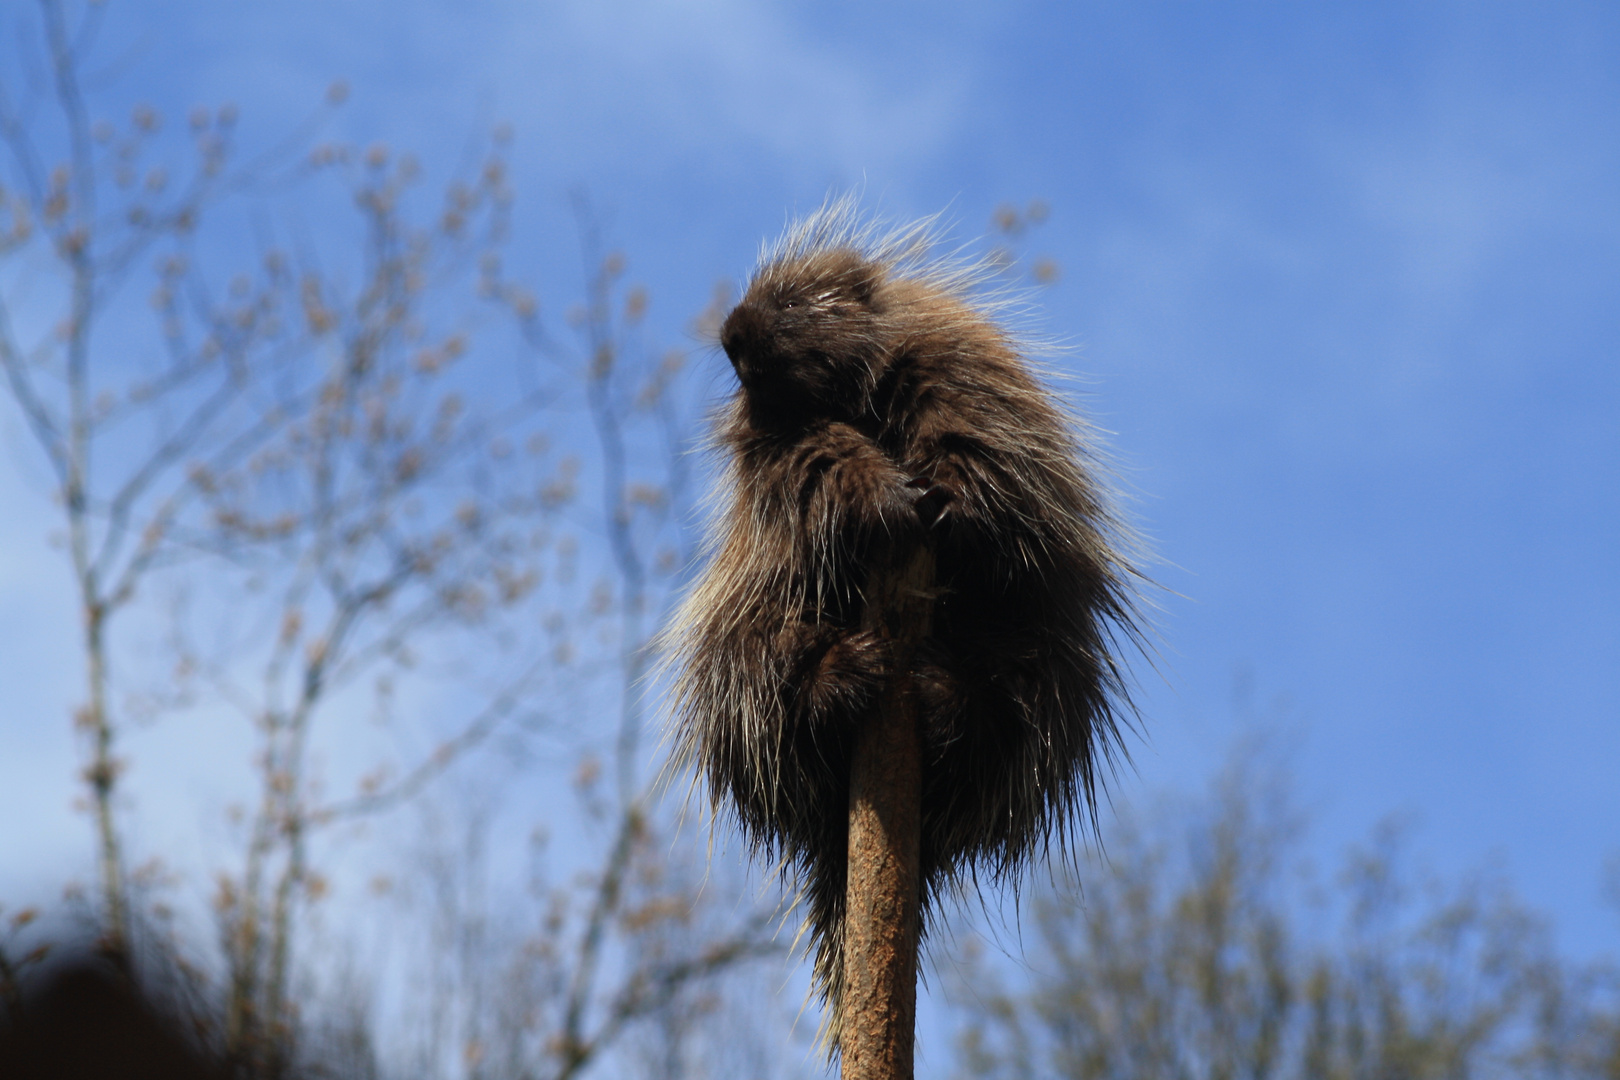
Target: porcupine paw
{"x": 850, "y": 674}
{"x": 943, "y": 700}
{"x": 931, "y": 502}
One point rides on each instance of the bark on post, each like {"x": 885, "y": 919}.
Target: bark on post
{"x": 883, "y": 894}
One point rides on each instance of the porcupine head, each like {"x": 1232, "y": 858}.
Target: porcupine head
{"x": 878, "y": 400}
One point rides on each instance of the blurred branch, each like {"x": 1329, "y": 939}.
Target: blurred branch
{"x": 444, "y": 755}
{"x": 649, "y": 992}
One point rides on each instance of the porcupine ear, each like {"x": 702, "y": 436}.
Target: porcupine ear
{"x": 863, "y": 283}
{"x": 849, "y": 269}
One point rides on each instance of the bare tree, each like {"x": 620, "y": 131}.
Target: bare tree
{"x": 1194, "y": 950}
{"x": 386, "y": 517}
{"x": 315, "y": 452}
{"x": 639, "y": 936}
{"x": 85, "y": 212}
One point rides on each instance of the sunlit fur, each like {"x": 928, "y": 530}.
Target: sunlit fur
{"x": 879, "y": 401}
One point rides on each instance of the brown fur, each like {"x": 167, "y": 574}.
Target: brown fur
{"x": 880, "y": 401}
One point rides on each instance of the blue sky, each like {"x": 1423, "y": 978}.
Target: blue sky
{"x": 1344, "y": 282}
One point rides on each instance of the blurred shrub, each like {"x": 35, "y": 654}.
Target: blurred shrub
{"x": 1200, "y": 946}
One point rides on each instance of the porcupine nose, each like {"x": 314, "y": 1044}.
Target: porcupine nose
{"x": 738, "y": 337}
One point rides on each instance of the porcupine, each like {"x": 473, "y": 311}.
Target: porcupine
{"x": 880, "y": 402}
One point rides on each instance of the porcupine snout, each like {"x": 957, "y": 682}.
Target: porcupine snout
{"x": 741, "y": 336}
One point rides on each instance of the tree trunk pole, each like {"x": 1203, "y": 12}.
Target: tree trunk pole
{"x": 883, "y": 895}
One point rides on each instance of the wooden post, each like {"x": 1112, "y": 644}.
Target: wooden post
{"x": 883, "y": 894}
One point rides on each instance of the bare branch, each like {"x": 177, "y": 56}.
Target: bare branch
{"x": 444, "y": 755}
